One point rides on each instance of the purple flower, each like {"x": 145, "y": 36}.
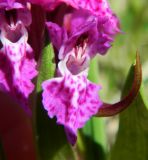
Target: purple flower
{"x": 17, "y": 65}
{"x": 72, "y": 98}
{"x": 78, "y": 32}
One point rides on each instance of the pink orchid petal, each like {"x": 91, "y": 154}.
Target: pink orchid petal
{"x": 17, "y": 67}
{"x": 57, "y": 34}
{"x": 73, "y": 100}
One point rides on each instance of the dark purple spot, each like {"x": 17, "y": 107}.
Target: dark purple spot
{"x": 88, "y": 94}
{"x": 81, "y": 100}
{"x": 52, "y": 109}
{"x": 26, "y": 85}
{"x": 89, "y": 108}
{"x": 72, "y": 81}
{"x": 94, "y": 102}
{"x": 72, "y": 120}
{"x": 91, "y": 86}
{"x": 53, "y": 84}
{"x": 66, "y": 103}
{"x": 81, "y": 92}
{"x": 75, "y": 113}
{"x": 81, "y": 113}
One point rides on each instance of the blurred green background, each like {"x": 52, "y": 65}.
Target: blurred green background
{"x": 112, "y": 72}
{"x": 114, "y": 66}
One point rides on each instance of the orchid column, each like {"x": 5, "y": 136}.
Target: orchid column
{"x": 17, "y": 64}
{"x": 78, "y": 31}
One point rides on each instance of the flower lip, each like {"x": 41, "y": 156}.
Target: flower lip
{"x": 73, "y": 100}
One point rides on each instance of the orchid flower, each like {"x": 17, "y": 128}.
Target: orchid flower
{"x": 78, "y": 32}
{"x": 17, "y": 65}
{"x": 72, "y": 98}
{"x": 77, "y": 35}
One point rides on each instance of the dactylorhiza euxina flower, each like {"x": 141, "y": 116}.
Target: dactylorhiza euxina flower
{"x": 17, "y": 65}
{"x": 72, "y": 98}
{"x": 78, "y": 31}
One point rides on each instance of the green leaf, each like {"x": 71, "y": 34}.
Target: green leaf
{"x": 97, "y": 124}
{"x": 47, "y": 67}
{"x": 93, "y": 137}
{"x": 112, "y": 109}
{"x": 132, "y": 137}
{"x": 51, "y": 140}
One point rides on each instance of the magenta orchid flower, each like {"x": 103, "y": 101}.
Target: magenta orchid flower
{"x": 78, "y": 32}
{"x": 71, "y": 97}
{"x": 17, "y": 65}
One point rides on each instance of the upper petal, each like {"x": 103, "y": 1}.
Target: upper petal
{"x": 83, "y": 26}
{"x": 57, "y": 34}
